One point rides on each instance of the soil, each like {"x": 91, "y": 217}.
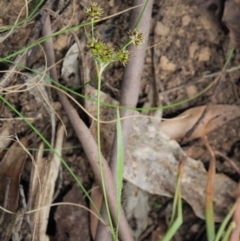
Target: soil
{"x": 187, "y": 46}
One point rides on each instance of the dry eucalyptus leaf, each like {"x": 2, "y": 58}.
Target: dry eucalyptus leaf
{"x": 11, "y": 168}
{"x": 152, "y": 160}
{"x": 216, "y": 116}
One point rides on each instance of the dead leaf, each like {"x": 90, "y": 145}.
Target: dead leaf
{"x": 11, "y": 168}
{"x": 73, "y": 222}
{"x": 216, "y": 116}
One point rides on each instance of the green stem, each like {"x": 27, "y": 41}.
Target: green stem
{"x": 225, "y": 222}
{"x": 100, "y": 70}
{"x": 226, "y": 236}
{"x": 92, "y": 28}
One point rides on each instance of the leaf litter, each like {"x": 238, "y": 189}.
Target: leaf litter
{"x": 153, "y": 124}
{"x": 152, "y": 159}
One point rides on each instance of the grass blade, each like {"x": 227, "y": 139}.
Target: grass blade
{"x": 177, "y": 206}
{"x": 120, "y": 162}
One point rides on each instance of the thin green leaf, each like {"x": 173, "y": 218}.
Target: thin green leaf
{"x": 226, "y": 236}
{"x": 177, "y": 205}
{"x": 224, "y": 223}
{"x": 120, "y": 162}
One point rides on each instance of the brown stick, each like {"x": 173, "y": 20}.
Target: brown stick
{"x": 132, "y": 76}
{"x": 88, "y": 143}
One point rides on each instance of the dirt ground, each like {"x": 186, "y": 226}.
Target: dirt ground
{"x": 187, "y": 49}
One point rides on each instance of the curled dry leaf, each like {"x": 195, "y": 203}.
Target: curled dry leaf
{"x": 216, "y": 116}
{"x": 152, "y": 160}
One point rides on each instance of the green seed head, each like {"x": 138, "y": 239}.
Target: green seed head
{"x": 123, "y": 56}
{"x": 136, "y": 36}
{"x": 101, "y": 51}
{"x": 94, "y": 11}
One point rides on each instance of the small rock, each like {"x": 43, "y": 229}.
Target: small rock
{"x": 56, "y": 105}
{"x": 166, "y": 65}
{"x": 195, "y": 228}
{"x": 186, "y": 20}
{"x": 161, "y": 30}
{"x": 177, "y": 43}
{"x": 191, "y": 90}
{"x": 193, "y": 49}
{"x": 204, "y": 54}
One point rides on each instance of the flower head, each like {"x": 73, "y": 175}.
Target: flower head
{"x": 94, "y": 11}
{"x": 136, "y": 36}
{"x": 123, "y": 56}
{"x": 101, "y": 51}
